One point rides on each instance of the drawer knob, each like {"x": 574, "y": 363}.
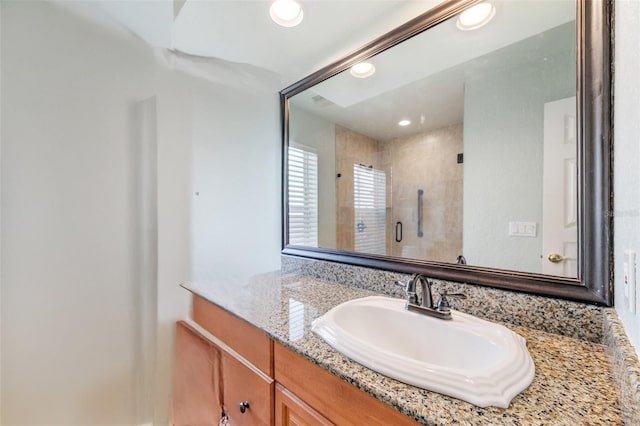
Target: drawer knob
{"x": 244, "y": 406}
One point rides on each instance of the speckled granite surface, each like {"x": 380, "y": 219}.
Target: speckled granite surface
{"x": 564, "y": 317}
{"x": 626, "y": 368}
{"x": 573, "y": 383}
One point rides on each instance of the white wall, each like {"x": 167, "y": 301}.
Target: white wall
{"x": 626, "y": 153}
{"x": 313, "y": 131}
{"x": 0, "y": 214}
{"x": 236, "y": 179}
{"x": 69, "y": 323}
{"x": 74, "y": 305}
{"x": 219, "y": 186}
{"x": 503, "y": 146}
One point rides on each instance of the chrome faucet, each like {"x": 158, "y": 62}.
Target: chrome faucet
{"x": 424, "y": 304}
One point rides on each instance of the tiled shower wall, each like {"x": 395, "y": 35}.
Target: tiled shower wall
{"x": 351, "y": 148}
{"x": 426, "y": 161}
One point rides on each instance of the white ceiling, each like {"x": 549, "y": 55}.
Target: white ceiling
{"x": 242, "y": 32}
{"x": 437, "y": 100}
{"x": 444, "y": 47}
{"x": 423, "y": 78}
{"x": 229, "y": 40}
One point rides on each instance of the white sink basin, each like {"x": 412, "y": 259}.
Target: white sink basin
{"x": 466, "y": 357}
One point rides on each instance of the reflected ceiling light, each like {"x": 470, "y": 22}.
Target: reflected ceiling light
{"x": 363, "y": 70}
{"x": 476, "y": 16}
{"x": 287, "y": 13}
{"x": 404, "y": 123}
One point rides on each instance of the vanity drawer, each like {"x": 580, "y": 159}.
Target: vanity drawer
{"x": 245, "y": 384}
{"x": 250, "y": 342}
{"x": 335, "y": 399}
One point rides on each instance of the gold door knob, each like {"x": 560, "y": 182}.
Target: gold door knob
{"x": 556, "y": 257}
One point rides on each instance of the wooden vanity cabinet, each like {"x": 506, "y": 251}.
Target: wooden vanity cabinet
{"x": 246, "y": 384}
{"x": 211, "y": 379}
{"x": 197, "y": 396}
{"x": 335, "y": 399}
{"x": 223, "y": 361}
{"x": 248, "y": 341}
{"x": 292, "y": 411}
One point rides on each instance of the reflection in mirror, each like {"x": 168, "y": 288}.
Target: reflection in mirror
{"x": 460, "y": 146}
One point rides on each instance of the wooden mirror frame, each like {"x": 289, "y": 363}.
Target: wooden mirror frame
{"x": 594, "y": 283}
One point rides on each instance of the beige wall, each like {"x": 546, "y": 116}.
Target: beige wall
{"x": 351, "y": 148}
{"x": 426, "y": 161}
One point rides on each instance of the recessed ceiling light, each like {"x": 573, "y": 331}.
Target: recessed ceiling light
{"x": 476, "y": 16}
{"x": 404, "y": 123}
{"x": 287, "y": 13}
{"x": 363, "y": 70}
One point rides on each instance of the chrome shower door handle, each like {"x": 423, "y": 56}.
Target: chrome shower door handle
{"x": 398, "y": 232}
{"x": 420, "y": 194}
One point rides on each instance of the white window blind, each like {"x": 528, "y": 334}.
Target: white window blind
{"x": 303, "y": 196}
{"x": 369, "y": 199}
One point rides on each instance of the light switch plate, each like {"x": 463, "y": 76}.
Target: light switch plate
{"x": 522, "y": 229}
{"x": 637, "y": 307}
{"x": 630, "y": 279}
{"x": 625, "y": 280}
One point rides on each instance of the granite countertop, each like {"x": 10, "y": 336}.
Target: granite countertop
{"x": 573, "y": 383}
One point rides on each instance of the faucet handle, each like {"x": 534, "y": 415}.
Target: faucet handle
{"x": 443, "y": 304}
{"x": 401, "y": 284}
{"x": 410, "y": 291}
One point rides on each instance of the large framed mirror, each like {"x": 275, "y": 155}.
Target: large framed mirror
{"x": 472, "y": 151}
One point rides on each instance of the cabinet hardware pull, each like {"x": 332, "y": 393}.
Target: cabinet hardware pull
{"x": 244, "y": 406}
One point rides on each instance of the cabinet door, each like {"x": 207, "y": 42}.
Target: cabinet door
{"x": 291, "y": 411}
{"x": 197, "y": 399}
{"x": 245, "y": 384}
